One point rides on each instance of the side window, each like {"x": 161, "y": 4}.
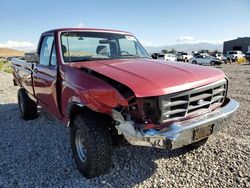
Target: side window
{"x": 53, "y": 56}
{"x": 45, "y": 50}
{"x": 140, "y": 51}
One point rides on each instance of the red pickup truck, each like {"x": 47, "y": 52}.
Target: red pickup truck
{"x": 103, "y": 84}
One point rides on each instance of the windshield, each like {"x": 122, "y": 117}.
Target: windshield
{"x": 87, "y": 46}
{"x": 232, "y": 52}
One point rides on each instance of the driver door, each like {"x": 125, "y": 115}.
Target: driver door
{"x": 45, "y": 76}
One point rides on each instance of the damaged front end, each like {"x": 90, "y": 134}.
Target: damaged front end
{"x": 166, "y": 121}
{"x": 173, "y": 121}
{"x": 139, "y": 121}
{"x": 176, "y": 134}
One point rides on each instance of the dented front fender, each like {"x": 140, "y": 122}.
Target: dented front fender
{"x": 90, "y": 91}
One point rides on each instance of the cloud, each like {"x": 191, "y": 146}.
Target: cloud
{"x": 80, "y": 25}
{"x": 18, "y": 45}
{"x": 193, "y": 40}
{"x": 219, "y": 41}
{"x": 149, "y": 44}
{"x": 185, "y": 39}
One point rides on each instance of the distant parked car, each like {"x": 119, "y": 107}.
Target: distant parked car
{"x": 206, "y": 60}
{"x": 220, "y": 57}
{"x": 170, "y": 57}
{"x": 167, "y": 57}
{"x": 160, "y": 56}
{"x": 9, "y": 58}
{"x": 155, "y": 55}
{"x": 182, "y": 56}
{"x": 234, "y": 55}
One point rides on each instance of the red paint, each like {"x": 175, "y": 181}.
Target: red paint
{"x": 55, "y": 89}
{"x": 83, "y": 88}
{"x": 148, "y": 77}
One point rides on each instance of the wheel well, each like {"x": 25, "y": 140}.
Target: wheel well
{"x": 77, "y": 108}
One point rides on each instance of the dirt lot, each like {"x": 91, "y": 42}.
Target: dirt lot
{"x": 37, "y": 153}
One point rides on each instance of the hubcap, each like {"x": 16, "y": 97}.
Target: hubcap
{"x": 81, "y": 151}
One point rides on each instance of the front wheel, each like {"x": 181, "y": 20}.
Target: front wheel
{"x": 91, "y": 145}
{"x": 194, "y": 62}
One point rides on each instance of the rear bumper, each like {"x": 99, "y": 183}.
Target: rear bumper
{"x": 179, "y": 134}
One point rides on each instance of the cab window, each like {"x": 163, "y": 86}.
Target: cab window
{"x": 53, "y": 56}
{"x": 46, "y": 49}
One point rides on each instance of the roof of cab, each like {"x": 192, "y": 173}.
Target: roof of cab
{"x": 88, "y": 29}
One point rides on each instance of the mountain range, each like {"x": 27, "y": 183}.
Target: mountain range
{"x": 186, "y": 47}
{"x": 7, "y": 52}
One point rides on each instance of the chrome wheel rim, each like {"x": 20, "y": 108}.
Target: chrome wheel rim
{"x": 81, "y": 150}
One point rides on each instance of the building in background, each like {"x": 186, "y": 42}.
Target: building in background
{"x": 240, "y": 44}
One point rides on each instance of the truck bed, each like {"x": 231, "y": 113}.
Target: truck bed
{"x": 22, "y": 72}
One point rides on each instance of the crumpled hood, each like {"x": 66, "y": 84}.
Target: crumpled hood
{"x": 147, "y": 77}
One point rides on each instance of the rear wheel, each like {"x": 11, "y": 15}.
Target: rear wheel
{"x": 212, "y": 63}
{"x": 91, "y": 144}
{"x": 27, "y": 107}
{"x": 235, "y": 59}
{"x": 194, "y": 62}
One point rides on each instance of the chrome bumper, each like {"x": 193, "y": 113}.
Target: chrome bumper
{"x": 179, "y": 134}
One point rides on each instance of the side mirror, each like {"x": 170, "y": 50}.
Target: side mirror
{"x": 31, "y": 57}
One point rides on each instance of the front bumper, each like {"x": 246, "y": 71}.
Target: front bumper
{"x": 179, "y": 134}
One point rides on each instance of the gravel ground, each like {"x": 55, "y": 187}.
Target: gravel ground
{"x": 37, "y": 153}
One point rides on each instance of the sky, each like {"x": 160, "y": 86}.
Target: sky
{"x": 154, "y": 22}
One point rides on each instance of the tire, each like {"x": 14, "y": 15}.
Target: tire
{"x": 91, "y": 145}
{"x": 194, "y": 62}
{"x": 27, "y": 107}
{"x": 117, "y": 139}
{"x": 212, "y": 63}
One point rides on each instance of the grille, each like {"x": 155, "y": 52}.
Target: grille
{"x": 192, "y": 102}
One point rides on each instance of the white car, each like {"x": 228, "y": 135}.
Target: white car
{"x": 167, "y": 57}
{"x": 219, "y": 56}
{"x": 170, "y": 57}
{"x": 205, "y": 60}
{"x": 182, "y": 56}
{"x": 234, "y": 55}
